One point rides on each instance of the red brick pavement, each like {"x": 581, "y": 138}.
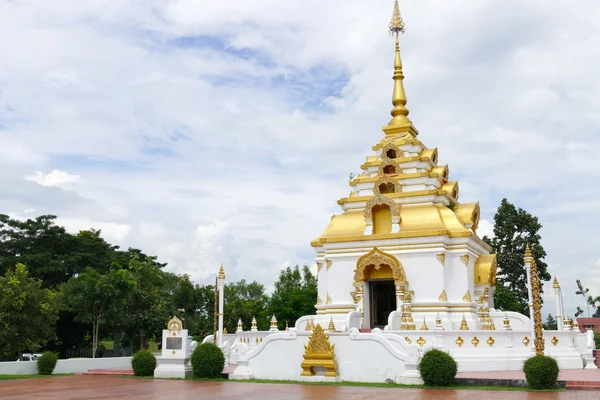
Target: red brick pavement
{"x": 108, "y": 387}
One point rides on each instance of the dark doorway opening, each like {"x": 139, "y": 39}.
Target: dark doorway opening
{"x": 383, "y": 301}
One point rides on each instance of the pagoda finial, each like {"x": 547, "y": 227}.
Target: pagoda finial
{"x": 399, "y": 112}
{"x": 555, "y": 284}
{"x": 396, "y": 24}
{"x": 222, "y": 272}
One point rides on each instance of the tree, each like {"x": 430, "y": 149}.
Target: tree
{"x": 91, "y": 295}
{"x": 514, "y": 229}
{"x": 27, "y": 313}
{"x": 147, "y": 307}
{"x": 295, "y": 295}
{"x": 583, "y": 292}
{"x": 244, "y": 301}
{"x": 550, "y": 324}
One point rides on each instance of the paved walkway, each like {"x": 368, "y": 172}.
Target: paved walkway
{"x": 108, "y": 387}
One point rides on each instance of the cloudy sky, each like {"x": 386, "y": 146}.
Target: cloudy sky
{"x": 211, "y": 132}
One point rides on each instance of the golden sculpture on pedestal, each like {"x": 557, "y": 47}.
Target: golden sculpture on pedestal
{"x": 319, "y": 353}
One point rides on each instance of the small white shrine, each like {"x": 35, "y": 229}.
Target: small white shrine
{"x": 177, "y": 348}
{"x": 401, "y": 269}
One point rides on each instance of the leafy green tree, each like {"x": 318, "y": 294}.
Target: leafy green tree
{"x": 27, "y": 313}
{"x": 91, "y": 295}
{"x": 46, "y": 249}
{"x": 550, "y": 324}
{"x": 513, "y": 230}
{"x": 147, "y": 307}
{"x": 243, "y": 301}
{"x": 295, "y": 295}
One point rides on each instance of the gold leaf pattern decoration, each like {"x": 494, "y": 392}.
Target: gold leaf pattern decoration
{"x": 441, "y": 258}
{"x": 467, "y": 297}
{"x": 443, "y": 296}
{"x": 465, "y": 259}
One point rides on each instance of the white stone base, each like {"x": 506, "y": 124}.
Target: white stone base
{"x": 168, "y": 367}
{"x": 241, "y": 371}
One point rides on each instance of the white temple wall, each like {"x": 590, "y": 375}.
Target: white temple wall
{"x": 361, "y": 357}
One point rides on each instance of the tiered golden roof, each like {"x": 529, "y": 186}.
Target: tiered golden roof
{"x": 428, "y": 200}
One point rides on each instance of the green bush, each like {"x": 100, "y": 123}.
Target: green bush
{"x": 208, "y": 361}
{"x": 46, "y": 363}
{"x": 597, "y": 340}
{"x": 438, "y": 368}
{"x": 541, "y": 372}
{"x": 143, "y": 363}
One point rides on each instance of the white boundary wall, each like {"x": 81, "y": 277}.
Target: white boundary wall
{"x": 65, "y": 366}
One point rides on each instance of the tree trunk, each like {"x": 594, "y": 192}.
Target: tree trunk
{"x": 94, "y": 337}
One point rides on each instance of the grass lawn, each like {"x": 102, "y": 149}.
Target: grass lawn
{"x": 387, "y": 385}
{"x": 6, "y": 377}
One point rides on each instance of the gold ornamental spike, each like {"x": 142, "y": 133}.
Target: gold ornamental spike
{"x": 399, "y": 112}
{"x": 396, "y": 23}
{"x": 463, "y": 324}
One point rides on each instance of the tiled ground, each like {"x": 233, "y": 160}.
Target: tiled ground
{"x": 108, "y": 387}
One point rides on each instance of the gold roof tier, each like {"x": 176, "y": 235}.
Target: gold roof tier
{"x": 402, "y": 192}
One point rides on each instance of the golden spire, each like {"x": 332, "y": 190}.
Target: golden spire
{"x": 528, "y": 251}
{"x": 222, "y": 272}
{"x": 399, "y": 112}
{"x": 555, "y": 284}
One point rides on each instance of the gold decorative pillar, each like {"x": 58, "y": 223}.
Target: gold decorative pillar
{"x": 537, "y": 309}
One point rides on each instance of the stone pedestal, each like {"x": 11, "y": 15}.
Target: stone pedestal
{"x": 169, "y": 367}
{"x": 176, "y": 352}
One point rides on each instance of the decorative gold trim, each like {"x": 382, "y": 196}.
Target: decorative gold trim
{"x": 526, "y": 341}
{"x": 221, "y": 272}
{"x": 319, "y": 353}
{"x": 424, "y": 326}
{"x": 328, "y": 263}
{"x": 319, "y": 266}
{"x": 459, "y": 341}
{"x": 319, "y": 301}
{"x": 386, "y": 179}
{"x": 490, "y": 341}
{"x": 174, "y": 325}
{"x": 421, "y": 341}
{"x": 387, "y": 162}
{"x": 407, "y": 340}
{"x": 465, "y": 259}
{"x": 391, "y": 146}
{"x": 376, "y": 259}
{"x": 475, "y": 341}
{"x": 328, "y": 301}
{"x": 331, "y": 327}
{"x": 443, "y": 296}
{"x": 378, "y": 200}
{"x": 467, "y": 297}
{"x": 441, "y": 258}
{"x": 554, "y": 341}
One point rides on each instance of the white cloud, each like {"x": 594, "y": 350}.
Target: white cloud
{"x": 224, "y": 132}
{"x": 53, "y": 178}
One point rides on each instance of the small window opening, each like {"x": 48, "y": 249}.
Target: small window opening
{"x": 391, "y": 153}
{"x": 389, "y": 169}
{"x": 385, "y": 188}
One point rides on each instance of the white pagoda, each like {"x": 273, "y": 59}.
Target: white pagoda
{"x": 401, "y": 269}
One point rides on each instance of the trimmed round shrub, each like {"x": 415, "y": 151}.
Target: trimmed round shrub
{"x": 541, "y": 372}
{"x": 208, "y": 361}
{"x": 438, "y": 368}
{"x": 143, "y": 363}
{"x": 46, "y": 363}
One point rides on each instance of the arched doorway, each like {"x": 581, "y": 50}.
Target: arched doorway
{"x": 378, "y": 279}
